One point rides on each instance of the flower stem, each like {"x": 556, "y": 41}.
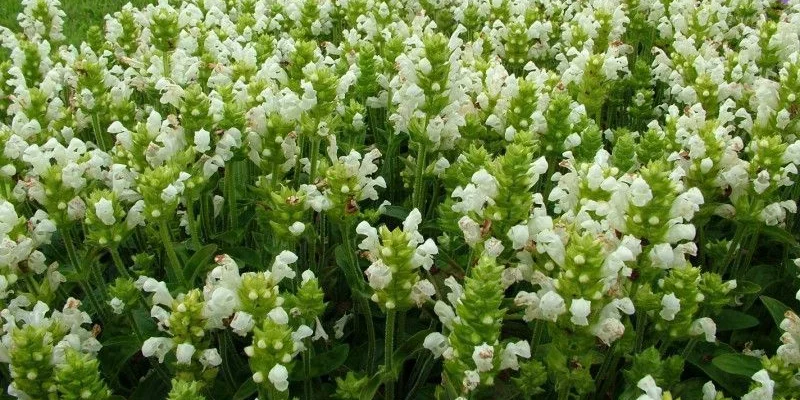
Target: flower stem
{"x": 308, "y": 391}
{"x": 98, "y": 132}
{"x": 72, "y": 254}
{"x": 419, "y": 182}
{"x": 230, "y": 193}
{"x": 175, "y": 271}
{"x": 356, "y": 286}
{"x": 123, "y": 272}
{"x": 388, "y": 351}
{"x": 192, "y": 219}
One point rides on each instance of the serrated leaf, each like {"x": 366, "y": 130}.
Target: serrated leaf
{"x": 737, "y": 364}
{"x": 776, "y": 308}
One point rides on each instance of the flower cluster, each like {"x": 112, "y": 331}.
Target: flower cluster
{"x": 555, "y": 199}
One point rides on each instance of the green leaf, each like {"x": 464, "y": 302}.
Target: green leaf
{"x": 116, "y": 352}
{"x": 246, "y": 256}
{"x": 151, "y": 387}
{"x": 737, "y": 364}
{"x": 369, "y": 390}
{"x": 702, "y": 357}
{"x": 396, "y": 212}
{"x": 356, "y": 284}
{"x": 778, "y": 234}
{"x": 411, "y": 346}
{"x": 324, "y": 363}
{"x": 731, "y": 320}
{"x": 775, "y": 308}
{"x": 199, "y": 260}
{"x": 745, "y": 287}
{"x": 246, "y": 390}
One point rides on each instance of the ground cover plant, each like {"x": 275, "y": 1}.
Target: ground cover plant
{"x": 409, "y": 199}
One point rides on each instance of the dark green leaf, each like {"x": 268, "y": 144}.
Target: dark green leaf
{"x": 368, "y": 392}
{"x": 247, "y": 256}
{"x": 779, "y": 234}
{"x": 116, "y": 352}
{"x": 323, "y": 363}
{"x": 745, "y": 287}
{"x": 396, "y": 212}
{"x": 737, "y": 364}
{"x": 775, "y": 308}
{"x": 151, "y": 387}
{"x": 245, "y": 391}
{"x": 730, "y": 320}
{"x": 702, "y": 357}
{"x": 196, "y": 265}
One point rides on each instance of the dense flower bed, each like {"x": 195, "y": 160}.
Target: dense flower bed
{"x": 469, "y": 199}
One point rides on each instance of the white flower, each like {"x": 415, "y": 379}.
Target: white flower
{"x": 220, "y": 306}
{"x": 640, "y": 193}
{"x": 379, "y": 275}
{"x": 475, "y": 195}
{"x": 493, "y": 247}
{"x": 159, "y": 289}
{"x": 117, "y": 305}
{"x": 319, "y": 332}
{"x": 436, "y": 343}
{"x": 763, "y": 392}
{"x": 202, "y": 139}
{"x": 242, "y": 323}
{"x": 652, "y": 391}
{"x": 371, "y": 242}
{"x": 445, "y": 313}
{"x": 423, "y": 255}
{"x": 456, "y": 290}
{"x": 512, "y": 351}
{"x": 210, "y": 358}
{"x": 704, "y": 326}
{"x": 422, "y": 292}
{"x": 670, "y": 305}
{"x": 279, "y": 376}
{"x": 519, "y": 236}
{"x": 279, "y": 316}
{"x": 157, "y": 346}
{"x": 302, "y": 332}
{"x": 609, "y": 330}
{"x": 471, "y": 380}
{"x": 709, "y": 391}
{"x": 471, "y": 230}
{"x": 482, "y": 356}
{"x": 105, "y": 211}
{"x": 184, "y": 353}
{"x": 580, "y": 309}
{"x": 281, "y": 269}
{"x": 297, "y": 228}
{"x": 551, "y": 305}
{"x": 338, "y": 326}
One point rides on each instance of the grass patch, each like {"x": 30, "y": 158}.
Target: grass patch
{"x": 81, "y": 14}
